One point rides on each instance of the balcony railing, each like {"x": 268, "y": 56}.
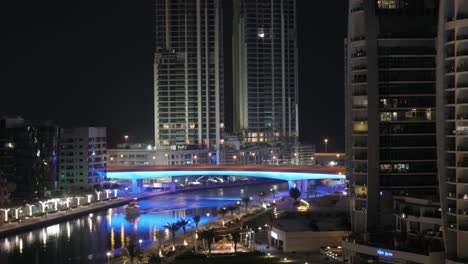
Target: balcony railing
{"x": 357, "y": 9}
{"x": 358, "y": 38}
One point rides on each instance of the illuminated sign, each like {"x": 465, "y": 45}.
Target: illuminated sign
{"x": 274, "y": 235}
{"x": 384, "y": 253}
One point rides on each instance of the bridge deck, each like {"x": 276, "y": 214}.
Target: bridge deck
{"x": 270, "y": 168}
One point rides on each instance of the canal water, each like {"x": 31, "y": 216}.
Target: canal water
{"x": 87, "y": 239}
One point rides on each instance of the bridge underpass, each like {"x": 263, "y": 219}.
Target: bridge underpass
{"x": 294, "y": 175}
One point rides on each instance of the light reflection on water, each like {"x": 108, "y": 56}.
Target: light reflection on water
{"x": 88, "y": 238}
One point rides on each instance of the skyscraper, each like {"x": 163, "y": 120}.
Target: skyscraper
{"x": 188, "y": 73}
{"x": 391, "y": 129}
{"x": 265, "y": 70}
{"x": 452, "y": 88}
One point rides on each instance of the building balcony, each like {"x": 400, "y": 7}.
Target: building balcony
{"x": 462, "y": 69}
{"x": 358, "y": 38}
{"x": 452, "y": 195}
{"x": 359, "y": 54}
{"x": 462, "y": 148}
{"x": 462, "y": 53}
{"x": 360, "y": 196}
{"x": 432, "y": 214}
{"x": 357, "y": 8}
{"x": 359, "y": 68}
{"x": 463, "y": 212}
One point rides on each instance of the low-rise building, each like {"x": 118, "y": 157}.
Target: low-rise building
{"x": 309, "y": 232}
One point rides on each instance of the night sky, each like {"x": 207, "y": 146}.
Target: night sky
{"x": 86, "y": 63}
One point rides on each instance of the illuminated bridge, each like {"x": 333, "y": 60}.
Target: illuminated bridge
{"x": 298, "y": 175}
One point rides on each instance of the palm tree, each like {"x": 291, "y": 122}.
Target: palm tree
{"x": 246, "y": 201}
{"x": 261, "y": 196}
{"x": 132, "y": 255}
{"x": 159, "y": 234}
{"x": 231, "y": 209}
{"x": 274, "y": 192}
{"x": 173, "y": 227}
{"x": 209, "y": 236}
{"x": 183, "y": 223}
{"x": 235, "y": 239}
{"x": 196, "y": 220}
{"x": 155, "y": 259}
{"x": 294, "y": 193}
{"x": 222, "y": 211}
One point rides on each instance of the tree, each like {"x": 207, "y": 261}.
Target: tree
{"x": 155, "y": 259}
{"x": 274, "y": 192}
{"x": 235, "y": 238}
{"x": 132, "y": 255}
{"x": 222, "y": 211}
{"x": 208, "y": 235}
{"x": 231, "y": 209}
{"x": 159, "y": 234}
{"x": 246, "y": 201}
{"x": 294, "y": 193}
{"x": 183, "y": 223}
{"x": 173, "y": 228}
{"x": 261, "y": 196}
{"x": 196, "y": 220}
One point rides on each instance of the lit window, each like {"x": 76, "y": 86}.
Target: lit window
{"x": 261, "y": 33}
{"x": 388, "y": 4}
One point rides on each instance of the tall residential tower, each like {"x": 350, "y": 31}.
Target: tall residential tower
{"x": 452, "y": 94}
{"x": 188, "y": 73}
{"x": 391, "y": 129}
{"x": 265, "y": 70}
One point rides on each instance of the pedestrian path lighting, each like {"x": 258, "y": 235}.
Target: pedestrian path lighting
{"x": 115, "y": 192}
{"x": 5, "y": 212}
{"x": 67, "y": 202}
{"x": 98, "y": 194}
{"x": 30, "y": 208}
{"x": 55, "y": 201}
{"x": 17, "y": 211}
{"x": 107, "y": 193}
{"x": 89, "y": 197}
{"x": 43, "y": 205}
{"x": 78, "y": 198}
{"x": 108, "y": 254}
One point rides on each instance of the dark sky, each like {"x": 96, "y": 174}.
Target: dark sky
{"x": 90, "y": 63}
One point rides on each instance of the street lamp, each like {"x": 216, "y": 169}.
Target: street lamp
{"x": 126, "y": 138}
{"x": 326, "y": 144}
{"x": 108, "y": 256}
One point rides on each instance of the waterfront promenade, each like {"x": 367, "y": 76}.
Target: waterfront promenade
{"x": 12, "y": 228}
